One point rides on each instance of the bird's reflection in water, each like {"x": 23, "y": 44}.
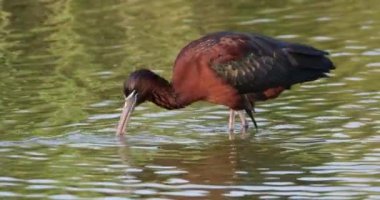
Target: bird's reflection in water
{"x": 213, "y": 168}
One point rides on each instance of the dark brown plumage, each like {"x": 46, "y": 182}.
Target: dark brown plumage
{"x": 231, "y": 69}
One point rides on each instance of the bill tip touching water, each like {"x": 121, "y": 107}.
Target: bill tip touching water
{"x": 227, "y": 68}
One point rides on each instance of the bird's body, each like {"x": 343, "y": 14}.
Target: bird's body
{"x": 231, "y": 69}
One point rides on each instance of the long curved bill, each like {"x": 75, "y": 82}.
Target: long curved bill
{"x": 129, "y": 106}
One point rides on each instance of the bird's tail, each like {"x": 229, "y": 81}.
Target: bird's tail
{"x": 310, "y": 63}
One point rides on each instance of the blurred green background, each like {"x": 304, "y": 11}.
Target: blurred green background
{"x": 62, "y": 64}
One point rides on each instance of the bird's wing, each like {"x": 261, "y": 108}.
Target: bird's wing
{"x": 253, "y": 63}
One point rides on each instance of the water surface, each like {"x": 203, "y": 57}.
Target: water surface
{"x": 62, "y": 65}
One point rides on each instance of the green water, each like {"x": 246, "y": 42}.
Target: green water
{"x": 62, "y": 63}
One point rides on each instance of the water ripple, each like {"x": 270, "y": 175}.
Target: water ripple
{"x": 63, "y": 64}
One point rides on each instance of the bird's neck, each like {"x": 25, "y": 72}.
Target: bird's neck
{"x": 164, "y": 95}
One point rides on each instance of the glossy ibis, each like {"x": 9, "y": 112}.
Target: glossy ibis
{"x": 227, "y": 68}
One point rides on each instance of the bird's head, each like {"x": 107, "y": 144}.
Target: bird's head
{"x": 137, "y": 89}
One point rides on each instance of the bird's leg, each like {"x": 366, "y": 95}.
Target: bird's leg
{"x": 244, "y": 125}
{"x": 231, "y": 121}
{"x": 231, "y": 124}
{"x": 244, "y": 122}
